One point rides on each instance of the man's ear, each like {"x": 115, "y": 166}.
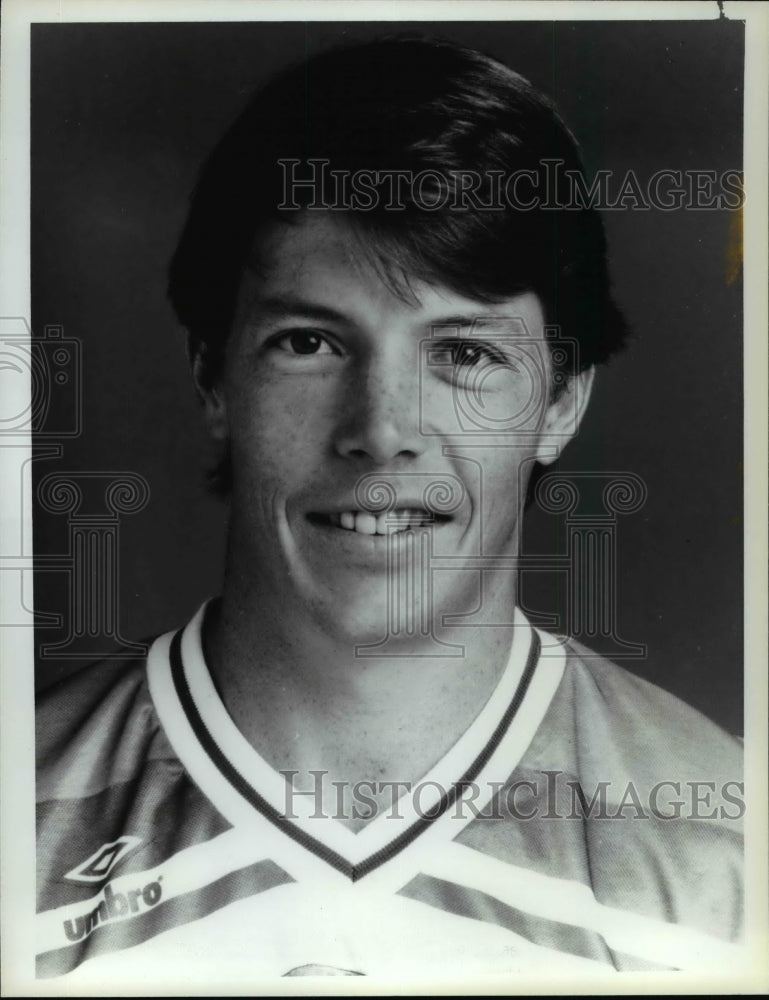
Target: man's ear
{"x": 210, "y": 395}
{"x": 564, "y": 415}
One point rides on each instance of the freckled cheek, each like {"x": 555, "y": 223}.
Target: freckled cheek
{"x": 276, "y": 428}
{"x": 518, "y": 398}
{"x": 505, "y": 476}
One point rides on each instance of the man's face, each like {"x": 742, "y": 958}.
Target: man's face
{"x": 373, "y": 436}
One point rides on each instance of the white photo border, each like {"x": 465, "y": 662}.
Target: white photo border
{"x": 17, "y": 643}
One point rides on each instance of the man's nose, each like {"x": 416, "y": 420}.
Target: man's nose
{"x": 380, "y": 420}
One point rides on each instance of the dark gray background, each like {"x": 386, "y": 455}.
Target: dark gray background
{"x": 122, "y": 115}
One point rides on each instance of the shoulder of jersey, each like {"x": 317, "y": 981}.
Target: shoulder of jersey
{"x": 648, "y": 729}
{"x": 641, "y": 787}
{"x": 79, "y": 721}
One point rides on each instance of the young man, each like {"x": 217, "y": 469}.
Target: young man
{"x": 362, "y": 759}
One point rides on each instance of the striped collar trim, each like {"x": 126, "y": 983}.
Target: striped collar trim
{"x": 241, "y": 784}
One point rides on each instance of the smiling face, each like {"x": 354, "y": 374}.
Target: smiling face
{"x": 364, "y": 426}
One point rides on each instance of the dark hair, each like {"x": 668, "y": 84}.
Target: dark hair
{"x": 405, "y": 103}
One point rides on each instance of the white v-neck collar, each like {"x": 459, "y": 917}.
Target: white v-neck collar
{"x": 247, "y": 791}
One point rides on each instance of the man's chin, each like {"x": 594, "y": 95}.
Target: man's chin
{"x": 395, "y": 611}
{"x": 359, "y": 622}
{"x": 373, "y": 620}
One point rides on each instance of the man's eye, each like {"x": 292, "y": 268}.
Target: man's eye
{"x": 468, "y": 353}
{"x": 465, "y": 353}
{"x": 304, "y": 342}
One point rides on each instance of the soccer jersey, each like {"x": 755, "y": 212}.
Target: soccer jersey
{"x": 586, "y": 820}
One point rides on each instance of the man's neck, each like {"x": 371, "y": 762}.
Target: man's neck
{"x": 306, "y": 702}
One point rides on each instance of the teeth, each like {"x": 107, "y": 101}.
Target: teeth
{"x": 365, "y": 524}
{"x": 380, "y": 524}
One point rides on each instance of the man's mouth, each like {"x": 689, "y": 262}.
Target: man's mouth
{"x": 387, "y": 523}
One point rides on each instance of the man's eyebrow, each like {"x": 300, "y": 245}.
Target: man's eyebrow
{"x": 486, "y": 320}
{"x": 289, "y": 305}
{"x": 276, "y": 306}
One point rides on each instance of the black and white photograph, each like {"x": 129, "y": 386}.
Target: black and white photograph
{"x": 383, "y": 447}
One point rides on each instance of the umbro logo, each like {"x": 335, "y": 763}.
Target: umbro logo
{"x": 100, "y": 864}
